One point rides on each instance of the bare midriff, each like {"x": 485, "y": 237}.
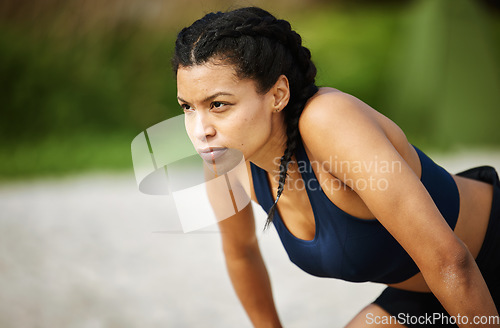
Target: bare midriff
{"x": 475, "y": 207}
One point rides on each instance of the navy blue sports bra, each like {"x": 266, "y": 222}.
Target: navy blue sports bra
{"x": 347, "y": 247}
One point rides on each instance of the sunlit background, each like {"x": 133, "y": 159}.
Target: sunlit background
{"x": 81, "y": 247}
{"x": 79, "y": 79}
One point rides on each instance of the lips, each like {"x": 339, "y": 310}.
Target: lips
{"x": 212, "y": 153}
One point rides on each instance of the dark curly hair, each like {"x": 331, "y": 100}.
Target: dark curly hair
{"x": 260, "y": 47}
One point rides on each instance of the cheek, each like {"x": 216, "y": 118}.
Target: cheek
{"x": 257, "y": 115}
{"x": 253, "y": 129}
{"x": 189, "y": 126}
{"x": 249, "y": 127}
{"x": 253, "y": 121}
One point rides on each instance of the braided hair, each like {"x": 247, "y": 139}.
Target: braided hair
{"x": 259, "y": 47}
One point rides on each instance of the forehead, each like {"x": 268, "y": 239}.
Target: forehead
{"x": 207, "y": 71}
{"x": 199, "y": 80}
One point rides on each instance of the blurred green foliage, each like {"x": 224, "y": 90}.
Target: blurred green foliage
{"x": 74, "y": 95}
{"x": 444, "y": 83}
{"x": 72, "y": 103}
{"x": 90, "y": 84}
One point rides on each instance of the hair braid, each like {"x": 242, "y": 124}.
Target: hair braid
{"x": 292, "y": 114}
{"x": 293, "y": 139}
{"x": 260, "y": 47}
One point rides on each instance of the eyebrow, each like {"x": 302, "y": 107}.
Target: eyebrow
{"x": 215, "y": 95}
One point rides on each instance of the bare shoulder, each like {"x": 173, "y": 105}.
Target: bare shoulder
{"x": 331, "y": 106}
{"x": 344, "y": 120}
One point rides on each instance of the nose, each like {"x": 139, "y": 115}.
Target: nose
{"x": 203, "y": 128}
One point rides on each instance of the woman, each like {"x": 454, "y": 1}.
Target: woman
{"x": 356, "y": 200}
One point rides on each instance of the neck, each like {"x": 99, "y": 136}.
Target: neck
{"x": 269, "y": 156}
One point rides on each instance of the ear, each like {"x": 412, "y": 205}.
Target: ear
{"x": 281, "y": 93}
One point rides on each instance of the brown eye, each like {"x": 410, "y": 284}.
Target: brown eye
{"x": 186, "y": 108}
{"x": 217, "y": 104}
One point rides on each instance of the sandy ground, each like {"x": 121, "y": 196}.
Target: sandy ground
{"x": 92, "y": 251}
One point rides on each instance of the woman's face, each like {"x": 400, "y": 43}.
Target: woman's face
{"x": 224, "y": 114}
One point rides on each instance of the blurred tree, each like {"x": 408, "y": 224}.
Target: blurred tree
{"x": 79, "y": 79}
{"x": 444, "y": 86}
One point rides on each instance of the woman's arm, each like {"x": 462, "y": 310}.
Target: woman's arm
{"x": 355, "y": 133}
{"x": 246, "y": 268}
{"x": 244, "y": 261}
